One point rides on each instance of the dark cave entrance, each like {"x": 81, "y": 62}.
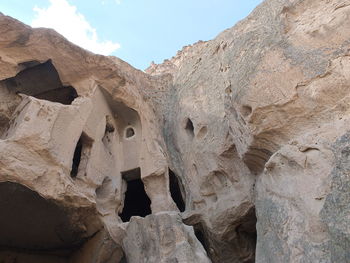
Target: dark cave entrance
{"x": 76, "y": 158}
{"x": 81, "y": 155}
{"x": 31, "y": 226}
{"x": 41, "y": 80}
{"x": 176, "y": 191}
{"x": 199, "y": 233}
{"x": 136, "y": 201}
{"x": 247, "y": 237}
{"x": 189, "y": 127}
{"x": 130, "y": 132}
{"x": 237, "y": 244}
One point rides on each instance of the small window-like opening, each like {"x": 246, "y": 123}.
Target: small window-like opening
{"x": 129, "y": 132}
{"x": 81, "y": 155}
{"x": 176, "y": 190}
{"x": 136, "y": 201}
{"x": 189, "y": 127}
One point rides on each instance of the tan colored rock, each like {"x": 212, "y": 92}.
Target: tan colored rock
{"x": 162, "y": 238}
{"x": 234, "y": 150}
{"x": 278, "y": 83}
{"x": 73, "y": 125}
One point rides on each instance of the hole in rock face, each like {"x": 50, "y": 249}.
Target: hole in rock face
{"x": 129, "y": 132}
{"x": 246, "y": 234}
{"x": 246, "y": 110}
{"x": 136, "y": 201}
{"x": 189, "y": 127}
{"x": 30, "y": 223}
{"x": 199, "y": 233}
{"x": 123, "y": 260}
{"x": 43, "y": 82}
{"x": 176, "y": 190}
{"x": 236, "y": 244}
{"x": 76, "y": 158}
{"x": 81, "y": 155}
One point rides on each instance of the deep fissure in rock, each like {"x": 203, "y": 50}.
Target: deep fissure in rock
{"x": 246, "y": 234}
{"x": 43, "y": 82}
{"x": 81, "y": 155}
{"x": 32, "y": 225}
{"x": 136, "y": 201}
{"x": 238, "y": 242}
{"x": 199, "y": 233}
{"x": 189, "y": 127}
{"x": 176, "y": 191}
{"x": 76, "y": 158}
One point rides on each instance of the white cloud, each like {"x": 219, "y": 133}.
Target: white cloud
{"x": 65, "y": 19}
{"x": 118, "y": 1}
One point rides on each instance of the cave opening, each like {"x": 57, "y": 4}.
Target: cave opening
{"x": 247, "y": 237}
{"x": 34, "y": 229}
{"x": 236, "y": 244}
{"x": 81, "y": 155}
{"x": 41, "y": 80}
{"x": 136, "y": 201}
{"x": 176, "y": 191}
{"x": 189, "y": 127}
{"x": 76, "y": 158}
{"x": 199, "y": 233}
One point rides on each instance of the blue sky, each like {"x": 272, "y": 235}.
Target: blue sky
{"x": 137, "y": 31}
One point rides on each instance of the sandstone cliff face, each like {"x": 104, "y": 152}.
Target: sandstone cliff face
{"x": 234, "y": 150}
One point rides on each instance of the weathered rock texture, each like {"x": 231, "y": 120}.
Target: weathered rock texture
{"x": 235, "y": 150}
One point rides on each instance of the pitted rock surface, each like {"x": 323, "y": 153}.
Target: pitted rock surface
{"x": 234, "y": 150}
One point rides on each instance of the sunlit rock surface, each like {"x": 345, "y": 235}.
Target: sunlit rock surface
{"x": 234, "y": 150}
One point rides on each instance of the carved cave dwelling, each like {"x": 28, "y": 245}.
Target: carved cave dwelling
{"x": 235, "y": 150}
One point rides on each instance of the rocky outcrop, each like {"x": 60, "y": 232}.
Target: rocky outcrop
{"x": 234, "y": 150}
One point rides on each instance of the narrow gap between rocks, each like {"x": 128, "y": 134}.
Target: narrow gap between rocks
{"x": 246, "y": 234}
{"x": 81, "y": 155}
{"x": 199, "y": 233}
{"x": 238, "y": 242}
{"x": 176, "y": 191}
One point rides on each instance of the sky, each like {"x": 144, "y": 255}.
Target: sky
{"x": 137, "y": 31}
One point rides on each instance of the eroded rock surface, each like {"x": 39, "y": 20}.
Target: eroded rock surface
{"x": 234, "y": 150}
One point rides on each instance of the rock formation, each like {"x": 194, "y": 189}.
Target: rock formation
{"x": 235, "y": 150}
